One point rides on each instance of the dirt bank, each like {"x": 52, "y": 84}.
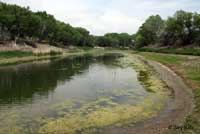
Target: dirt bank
{"x": 174, "y": 114}
{"x": 39, "y": 47}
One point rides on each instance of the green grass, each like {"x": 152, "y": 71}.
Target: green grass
{"x": 194, "y": 74}
{"x": 51, "y": 53}
{"x": 165, "y": 59}
{"x": 55, "y": 53}
{"x": 172, "y": 51}
{"x": 17, "y": 57}
{"x": 12, "y": 54}
{"x": 190, "y": 69}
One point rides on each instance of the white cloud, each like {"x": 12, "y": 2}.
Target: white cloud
{"x": 35, "y": 5}
{"x": 102, "y": 16}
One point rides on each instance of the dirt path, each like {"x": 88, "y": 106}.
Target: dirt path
{"x": 175, "y": 112}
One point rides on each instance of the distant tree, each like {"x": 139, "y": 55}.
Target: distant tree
{"x": 16, "y": 22}
{"x": 102, "y": 41}
{"x": 112, "y": 39}
{"x": 19, "y": 22}
{"x": 47, "y": 25}
{"x": 196, "y": 28}
{"x": 125, "y": 39}
{"x": 182, "y": 29}
{"x": 84, "y": 36}
{"x": 150, "y": 31}
{"x": 140, "y": 41}
{"x": 115, "y": 40}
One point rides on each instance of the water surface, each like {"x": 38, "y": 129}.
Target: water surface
{"x": 34, "y": 90}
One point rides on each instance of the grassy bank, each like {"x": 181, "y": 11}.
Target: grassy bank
{"x": 17, "y": 57}
{"x": 12, "y": 54}
{"x": 172, "y": 51}
{"x": 189, "y": 68}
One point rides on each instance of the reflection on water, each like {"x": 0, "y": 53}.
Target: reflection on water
{"x": 31, "y": 89}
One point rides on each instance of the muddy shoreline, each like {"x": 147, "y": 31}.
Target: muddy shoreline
{"x": 173, "y": 115}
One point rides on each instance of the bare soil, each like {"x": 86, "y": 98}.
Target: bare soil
{"x": 40, "y": 48}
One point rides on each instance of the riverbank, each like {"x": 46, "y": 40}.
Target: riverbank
{"x": 173, "y": 121}
{"x": 188, "y": 67}
{"x": 179, "y": 51}
{"x": 12, "y": 53}
{"x": 17, "y": 57}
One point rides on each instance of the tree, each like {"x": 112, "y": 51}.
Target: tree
{"x": 140, "y": 41}
{"x": 84, "y": 36}
{"x": 182, "y": 29}
{"x": 20, "y": 23}
{"x": 115, "y": 40}
{"x": 150, "y": 31}
{"x": 125, "y": 39}
{"x": 196, "y": 27}
{"x": 102, "y": 41}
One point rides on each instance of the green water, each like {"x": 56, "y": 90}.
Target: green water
{"x": 34, "y": 94}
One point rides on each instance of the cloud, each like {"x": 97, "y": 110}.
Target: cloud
{"x": 35, "y": 5}
{"x": 102, "y": 16}
{"x": 116, "y": 21}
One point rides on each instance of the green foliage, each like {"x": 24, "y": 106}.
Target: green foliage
{"x": 149, "y": 32}
{"x": 182, "y": 29}
{"x": 179, "y": 30}
{"x": 172, "y": 51}
{"x": 114, "y": 40}
{"x": 140, "y": 41}
{"x": 169, "y": 59}
{"x": 21, "y": 23}
{"x": 11, "y": 54}
{"x": 55, "y": 53}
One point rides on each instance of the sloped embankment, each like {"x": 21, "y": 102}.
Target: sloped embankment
{"x": 175, "y": 112}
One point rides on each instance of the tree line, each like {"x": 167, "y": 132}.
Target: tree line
{"x": 20, "y": 23}
{"x": 182, "y": 29}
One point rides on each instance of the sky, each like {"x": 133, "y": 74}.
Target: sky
{"x": 105, "y": 16}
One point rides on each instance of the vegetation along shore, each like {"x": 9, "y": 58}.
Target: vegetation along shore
{"x": 161, "y": 62}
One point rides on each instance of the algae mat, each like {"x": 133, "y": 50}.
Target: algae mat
{"x": 79, "y": 95}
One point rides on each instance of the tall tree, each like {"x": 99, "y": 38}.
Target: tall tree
{"x": 150, "y": 31}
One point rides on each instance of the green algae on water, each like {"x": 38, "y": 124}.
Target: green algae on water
{"x": 104, "y": 112}
{"x": 89, "y": 117}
